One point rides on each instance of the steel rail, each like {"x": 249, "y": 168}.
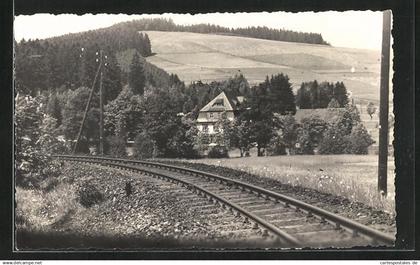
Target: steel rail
{"x": 323, "y": 215}
{"x": 283, "y": 236}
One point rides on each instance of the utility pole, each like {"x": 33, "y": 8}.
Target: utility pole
{"x": 384, "y": 105}
{"x": 87, "y": 108}
{"x": 101, "y": 106}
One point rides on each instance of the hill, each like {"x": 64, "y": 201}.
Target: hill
{"x": 210, "y": 57}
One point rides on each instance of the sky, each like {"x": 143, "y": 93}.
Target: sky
{"x": 353, "y": 29}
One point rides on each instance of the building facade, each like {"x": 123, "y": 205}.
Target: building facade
{"x": 212, "y": 112}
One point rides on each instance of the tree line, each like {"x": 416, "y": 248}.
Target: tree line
{"x": 314, "y": 95}
{"x": 71, "y": 60}
{"x": 162, "y": 125}
{"x": 162, "y": 24}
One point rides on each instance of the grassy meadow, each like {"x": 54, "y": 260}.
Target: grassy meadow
{"x": 209, "y": 57}
{"x": 351, "y": 176}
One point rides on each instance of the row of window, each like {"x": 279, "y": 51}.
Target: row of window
{"x": 206, "y": 128}
{"x": 212, "y": 115}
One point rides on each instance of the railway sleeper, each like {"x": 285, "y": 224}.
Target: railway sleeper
{"x": 238, "y": 198}
{"x": 303, "y": 228}
{"x": 252, "y": 203}
{"x": 262, "y": 211}
{"x": 262, "y": 206}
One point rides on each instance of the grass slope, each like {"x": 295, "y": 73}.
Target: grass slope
{"x": 207, "y": 57}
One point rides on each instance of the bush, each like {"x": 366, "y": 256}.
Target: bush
{"x": 334, "y": 140}
{"x": 276, "y": 147}
{"x": 88, "y": 195}
{"x": 182, "y": 143}
{"x": 305, "y": 145}
{"x": 358, "y": 141}
{"x": 115, "y": 146}
{"x": 333, "y": 104}
{"x": 144, "y": 146}
{"x": 218, "y": 152}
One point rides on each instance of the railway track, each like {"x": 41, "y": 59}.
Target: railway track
{"x": 284, "y": 220}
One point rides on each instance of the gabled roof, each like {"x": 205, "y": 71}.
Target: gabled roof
{"x": 219, "y": 103}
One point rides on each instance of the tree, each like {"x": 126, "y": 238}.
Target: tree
{"x": 289, "y": 131}
{"x": 340, "y": 93}
{"x": 144, "y": 146}
{"x": 160, "y": 118}
{"x": 224, "y": 131}
{"x": 136, "y": 76}
{"x": 242, "y": 136}
{"x": 371, "y": 109}
{"x": 112, "y": 83}
{"x": 359, "y": 140}
{"x": 115, "y": 146}
{"x": 35, "y": 141}
{"x": 281, "y": 96}
{"x": 333, "y": 104}
{"x": 124, "y": 115}
{"x": 345, "y": 134}
{"x": 315, "y": 127}
{"x": 181, "y": 144}
{"x": 73, "y": 115}
{"x": 48, "y": 139}
{"x": 147, "y": 45}
{"x": 258, "y": 114}
{"x": 304, "y": 143}
{"x": 303, "y": 100}
{"x": 312, "y": 95}
{"x": 54, "y": 108}
{"x": 334, "y": 140}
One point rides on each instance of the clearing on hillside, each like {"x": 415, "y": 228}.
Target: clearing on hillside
{"x": 209, "y": 57}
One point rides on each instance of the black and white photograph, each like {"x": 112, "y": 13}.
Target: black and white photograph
{"x": 241, "y": 130}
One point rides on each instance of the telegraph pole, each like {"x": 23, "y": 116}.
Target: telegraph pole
{"x": 101, "y": 106}
{"x": 79, "y": 134}
{"x": 384, "y": 105}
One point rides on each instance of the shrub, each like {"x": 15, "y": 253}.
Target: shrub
{"x": 218, "y": 152}
{"x": 334, "y": 140}
{"x": 333, "y": 104}
{"x": 182, "y": 143}
{"x": 276, "y": 147}
{"x": 359, "y": 140}
{"x": 115, "y": 146}
{"x": 371, "y": 109}
{"x": 144, "y": 146}
{"x": 88, "y": 195}
{"x": 305, "y": 145}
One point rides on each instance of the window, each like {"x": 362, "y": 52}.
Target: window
{"x": 218, "y": 102}
{"x": 205, "y": 128}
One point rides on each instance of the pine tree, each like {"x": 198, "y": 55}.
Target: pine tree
{"x": 333, "y": 104}
{"x": 340, "y": 93}
{"x": 147, "y": 45}
{"x": 136, "y": 77}
{"x": 281, "y": 95}
{"x": 54, "y": 108}
{"x": 314, "y": 94}
{"x": 112, "y": 83}
{"x": 303, "y": 99}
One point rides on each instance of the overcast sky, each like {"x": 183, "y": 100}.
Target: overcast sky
{"x": 355, "y": 29}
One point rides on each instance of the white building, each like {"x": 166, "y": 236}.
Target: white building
{"x": 211, "y": 113}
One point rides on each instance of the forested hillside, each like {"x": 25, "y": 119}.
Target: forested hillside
{"x": 161, "y": 24}
{"x": 70, "y": 61}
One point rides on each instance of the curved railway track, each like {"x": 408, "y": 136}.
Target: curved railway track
{"x": 290, "y": 222}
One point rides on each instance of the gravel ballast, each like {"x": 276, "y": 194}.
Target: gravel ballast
{"x": 151, "y": 215}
